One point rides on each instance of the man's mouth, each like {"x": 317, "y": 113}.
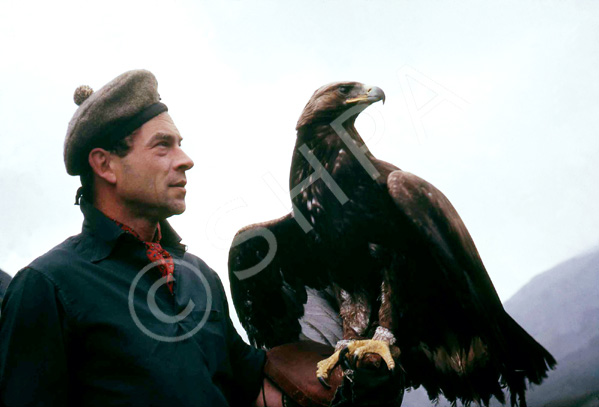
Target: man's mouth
{"x": 180, "y": 184}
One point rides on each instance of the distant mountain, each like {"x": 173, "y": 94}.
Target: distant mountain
{"x": 4, "y": 281}
{"x": 560, "y": 308}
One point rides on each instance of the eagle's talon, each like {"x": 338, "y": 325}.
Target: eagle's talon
{"x": 357, "y": 349}
{"x": 324, "y": 367}
{"x": 343, "y": 358}
{"x": 381, "y": 348}
{"x": 323, "y": 381}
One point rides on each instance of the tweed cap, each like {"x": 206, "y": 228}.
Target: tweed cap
{"x": 108, "y": 115}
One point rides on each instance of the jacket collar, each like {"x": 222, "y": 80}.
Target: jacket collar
{"x": 106, "y": 234}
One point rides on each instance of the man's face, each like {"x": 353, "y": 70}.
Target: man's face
{"x": 150, "y": 179}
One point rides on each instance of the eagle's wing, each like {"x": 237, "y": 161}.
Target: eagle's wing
{"x": 437, "y": 225}
{"x": 461, "y": 301}
{"x": 270, "y": 265}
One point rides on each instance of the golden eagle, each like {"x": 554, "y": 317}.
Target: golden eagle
{"x": 394, "y": 255}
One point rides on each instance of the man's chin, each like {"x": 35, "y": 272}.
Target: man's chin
{"x": 169, "y": 209}
{"x": 157, "y": 210}
{"x": 175, "y": 210}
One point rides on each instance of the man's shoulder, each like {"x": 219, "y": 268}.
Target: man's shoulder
{"x": 49, "y": 271}
{"x": 60, "y": 258}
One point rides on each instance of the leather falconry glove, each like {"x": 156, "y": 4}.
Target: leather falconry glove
{"x": 292, "y": 368}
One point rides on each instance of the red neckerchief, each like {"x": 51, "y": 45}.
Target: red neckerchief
{"x": 156, "y": 254}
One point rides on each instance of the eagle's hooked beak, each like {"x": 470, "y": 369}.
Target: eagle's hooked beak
{"x": 373, "y": 94}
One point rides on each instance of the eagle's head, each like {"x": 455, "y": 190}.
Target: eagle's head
{"x": 331, "y": 101}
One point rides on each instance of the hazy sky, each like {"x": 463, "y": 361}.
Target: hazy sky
{"x": 494, "y": 104}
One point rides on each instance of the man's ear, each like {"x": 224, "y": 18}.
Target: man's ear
{"x": 101, "y": 162}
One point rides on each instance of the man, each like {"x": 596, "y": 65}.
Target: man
{"x": 121, "y": 314}
{"x": 68, "y": 334}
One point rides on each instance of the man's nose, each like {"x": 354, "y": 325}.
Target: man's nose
{"x": 183, "y": 161}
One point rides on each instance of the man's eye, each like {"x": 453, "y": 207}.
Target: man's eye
{"x": 163, "y": 143}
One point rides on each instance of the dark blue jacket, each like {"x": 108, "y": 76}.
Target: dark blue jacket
{"x": 90, "y": 324}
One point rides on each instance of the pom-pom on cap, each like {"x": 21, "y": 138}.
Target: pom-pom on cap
{"x": 109, "y": 114}
{"x": 81, "y": 94}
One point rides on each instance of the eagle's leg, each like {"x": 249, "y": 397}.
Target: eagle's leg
{"x": 384, "y": 332}
{"x": 383, "y": 340}
{"x": 355, "y": 313}
{"x": 355, "y": 310}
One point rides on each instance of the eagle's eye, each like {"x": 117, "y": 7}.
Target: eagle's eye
{"x": 344, "y": 89}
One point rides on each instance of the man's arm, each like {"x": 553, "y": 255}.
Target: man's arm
{"x": 33, "y": 366}
{"x": 247, "y": 362}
